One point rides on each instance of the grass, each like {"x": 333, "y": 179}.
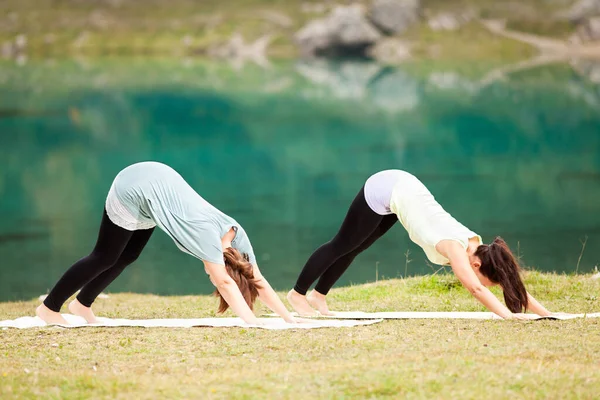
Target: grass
{"x": 393, "y": 359}
{"x": 467, "y": 44}
{"x": 152, "y": 27}
{"x": 183, "y": 27}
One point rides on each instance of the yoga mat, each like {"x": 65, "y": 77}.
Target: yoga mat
{"x": 269, "y": 323}
{"x": 359, "y": 315}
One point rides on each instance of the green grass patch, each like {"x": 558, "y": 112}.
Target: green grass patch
{"x": 557, "y": 28}
{"x": 470, "y": 42}
{"x": 393, "y": 359}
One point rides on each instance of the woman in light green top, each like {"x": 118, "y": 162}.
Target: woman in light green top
{"x": 141, "y": 197}
{"x": 394, "y": 195}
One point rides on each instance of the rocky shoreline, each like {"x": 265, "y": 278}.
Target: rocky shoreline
{"x": 376, "y": 31}
{"x": 389, "y": 31}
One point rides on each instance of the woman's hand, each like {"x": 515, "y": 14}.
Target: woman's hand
{"x": 230, "y": 292}
{"x": 465, "y": 274}
{"x": 267, "y": 295}
{"x": 256, "y": 322}
{"x": 534, "y": 306}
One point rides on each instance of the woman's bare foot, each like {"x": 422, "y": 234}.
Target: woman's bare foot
{"x": 80, "y": 310}
{"x": 299, "y": 303}
{"x": 318, "y": 301}
{"x": 50, "y": 317}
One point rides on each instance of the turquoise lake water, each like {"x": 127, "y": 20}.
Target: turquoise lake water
{"x": 284, "y": 150}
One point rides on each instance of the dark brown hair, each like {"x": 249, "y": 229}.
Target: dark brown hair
{"x": 500, "y": 266}
{"x": 240, "y": 269}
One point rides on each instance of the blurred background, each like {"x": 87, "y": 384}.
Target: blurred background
{"x": 278, "y": 111}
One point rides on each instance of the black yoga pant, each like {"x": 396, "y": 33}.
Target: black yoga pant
{"x": 360, "y": 229}
{"x": 115, "y": 249}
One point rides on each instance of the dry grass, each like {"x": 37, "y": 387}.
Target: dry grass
{"x": 412, "y": 358}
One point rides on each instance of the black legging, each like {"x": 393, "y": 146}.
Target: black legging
{"x": 115, "y": 249}
{"x": 360, "y": 229}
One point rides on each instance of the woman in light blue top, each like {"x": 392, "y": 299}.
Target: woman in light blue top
{"x": 150, "y": 194}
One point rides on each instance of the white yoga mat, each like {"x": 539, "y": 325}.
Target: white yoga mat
{"x": 359, "y": 315}
{"x": 269, "y": 323}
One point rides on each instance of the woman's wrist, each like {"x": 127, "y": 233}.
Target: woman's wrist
{"x": 252, "y": 321}
{"x": 510, "y": 315}
{"x": 288, "y": 317}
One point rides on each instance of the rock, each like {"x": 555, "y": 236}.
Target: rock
{"x": 314, "y": 37}
{"x": 346, "y": 31}
{"x": 20, "y": 42}
{"x": 351, "y": 28}
{"x": 449, "y": 21}
{"x": 583, "y": 9}
{"x": 237, "y": 49}
{"x": 390, "y": 50}
{"x": 588, "y": 30}
{"x": 394, "y": 16}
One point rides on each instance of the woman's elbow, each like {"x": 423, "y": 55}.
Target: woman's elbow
{"x": 222, "y": 283}
{"x": 476, "y": 289}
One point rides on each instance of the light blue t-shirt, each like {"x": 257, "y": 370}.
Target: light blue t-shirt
{"x": 155, "y": 192}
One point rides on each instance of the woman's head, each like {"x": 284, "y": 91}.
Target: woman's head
{"x": 240, "y": 269}
{"x": 499, "y": 266}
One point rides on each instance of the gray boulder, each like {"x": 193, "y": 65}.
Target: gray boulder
{"x": 391, "y": 50}
{"x": 584, "y": 9}
{"x": 314, "y": 37}
{"x": 589, "y": 30}
{"x": 394, "y": 16}
{"x": 236, "y": 49}
{"x": 345, "y": 31}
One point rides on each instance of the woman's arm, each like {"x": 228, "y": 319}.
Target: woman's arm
{"x": 230, "y": 292}
{"x": 535, "y": 306}
{"x": 462, "y": 269}
{"x": 267, "y": 295}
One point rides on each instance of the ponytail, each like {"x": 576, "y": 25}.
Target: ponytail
{"x": 500, "y": 266}
{"x": 240, "y": 269}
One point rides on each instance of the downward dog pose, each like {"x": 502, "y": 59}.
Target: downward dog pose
{"x": 392, "y": 195}
{"x": 141, "y": 197}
